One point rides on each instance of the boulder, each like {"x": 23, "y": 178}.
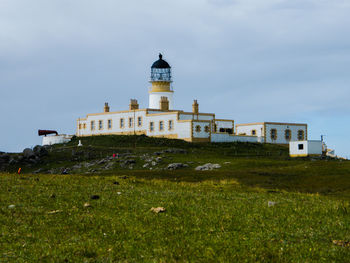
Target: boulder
{"x": 175, "y": 166}
{"x": 40, "y": 151}
{"x": 4, "y": 158}
{"x": 28, "y": 153}
{"x": 208, "y": 166}
{"x": 175, "y": 150}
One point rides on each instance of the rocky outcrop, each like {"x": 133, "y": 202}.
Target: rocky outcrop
{"x": 208, "y": 166}
{"x": 175, "y": 166}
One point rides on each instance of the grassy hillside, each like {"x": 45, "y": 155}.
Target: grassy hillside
{"x": 259, "y": 206}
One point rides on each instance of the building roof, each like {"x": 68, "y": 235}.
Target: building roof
{"x": 160, "y": 63}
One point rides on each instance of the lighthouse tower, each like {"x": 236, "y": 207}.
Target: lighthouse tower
{"x": 161, "y": 85}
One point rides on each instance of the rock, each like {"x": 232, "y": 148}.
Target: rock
{"x": 4, "y": 158}
{"x": 28, "y": 153}
{"x": 175, "y": 166}
{"x": 95, "y": 197}
{"x": 87, "y": 205}
{"x": 153, "y": 163}
{"x": 109, "y": 166}
{"x": 103, "y": 161}
{"x": 159, "y": 159}
{"x": 145, "y": 165}
{"x": 76, "y": 167}
{"x": 54, "y": 212}
{"x": 13, "y": 161}
{"x": 227, "y": 162}
{"x": 158, "y": 209}
{"x": 40, "y": 170}
{"x": 271, "y": 203}
{"x": 129, "y": 161}
{"x": 208, "y": 166}
{"x": 175, "y": 150}
{"x": 52, "y": 196}
{"x": 119, "y": 193}
{"x": 11, "y": 206}
{"x": 40, "y": 151}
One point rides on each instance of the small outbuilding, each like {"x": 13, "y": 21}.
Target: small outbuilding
{"x": 305, "y": 148}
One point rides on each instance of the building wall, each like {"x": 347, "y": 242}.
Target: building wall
{"x": 61, "y": 138}
{"x": 180, "y": 129}
{"x": 309, "y": 148}
{"x": 248, "y": 129}
{"x": 225, "y": 137}
{"x": 280, "y": 129}
{"x": 226, "y": 124}
{"x": 154, "y": 99}
{"x": 191, "y": 116}
{"x": 199, "y": 129}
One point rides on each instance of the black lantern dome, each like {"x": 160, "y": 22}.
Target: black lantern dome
{"x": 160, "y": 70}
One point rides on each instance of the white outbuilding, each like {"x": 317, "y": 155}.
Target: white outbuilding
{"x": 305, "y": 148}
{"x": 56, "y": 139}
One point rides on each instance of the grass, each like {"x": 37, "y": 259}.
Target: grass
{"x": 211, "y": 216}
{"x": 220, "y": 220}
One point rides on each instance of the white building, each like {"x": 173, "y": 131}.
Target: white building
{"x": 55, "y": 139}
{"x": 305, "y": 148}
{"x": 274, "y": 132}
{"x": 161, "y": 119}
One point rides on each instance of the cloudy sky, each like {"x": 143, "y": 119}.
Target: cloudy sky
{"x": 250, "y": 60}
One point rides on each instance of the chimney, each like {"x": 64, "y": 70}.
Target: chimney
{"x": 133, "y": 105}
{"x": 164, "y": 103}
{"x": 106, "y": 107}
{"x": 195, "y": 107}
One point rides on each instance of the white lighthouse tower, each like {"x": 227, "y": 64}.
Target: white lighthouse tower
{"x": 161, "y": 85}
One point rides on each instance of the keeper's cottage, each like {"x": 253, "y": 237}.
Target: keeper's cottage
{"x": 161, "y": 119}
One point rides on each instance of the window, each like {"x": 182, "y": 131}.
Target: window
{"x": 109, "y": 124}
{"x": 170, "y": 125}
{"x": 300, "y": 146}
{"x": 206, "y": 129}
{"x": 253, "y": 132}
{"x": 139, "y": 121}
{"x": 273, "y": 133}
{"x": 92, "y": 125}
{"x": 121, "y": 123}
{"x": 79, "y": 126}
{"x": 100, "y": 125}
{"x": 130, "y": 122}
{"x": 215, "y": 128}
{"x": 300, "y": 135}
{"x": 288, "y": 134}
{"x": 84, "y": 126}
{"x": 198, "y": 128}
{"x": 161, "y": 125}
{"x": 151, "y": 126}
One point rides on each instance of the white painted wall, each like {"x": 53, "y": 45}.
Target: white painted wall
{"x": 309, "y": 147}
{"x": 280, "y": 128}
{"x": 202, "y": 133}
{"x": 182, "y": 129}
{"x": 55, "y": 139}
{"x": 154, "y": 99}
{"x": 224, "y": 124}
{"x": 183, "y": 116}
{"x": 225, "y": 137}
{"x": 247, "y": 129}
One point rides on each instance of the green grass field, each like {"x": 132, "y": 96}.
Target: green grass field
{"x": 211, "y": 216}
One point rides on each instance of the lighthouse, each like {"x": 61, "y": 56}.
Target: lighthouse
{"x": 161, "y": 90}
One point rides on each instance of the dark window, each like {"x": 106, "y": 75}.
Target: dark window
{"x": 301, "y": 146}
{"x": 227, "y": 130}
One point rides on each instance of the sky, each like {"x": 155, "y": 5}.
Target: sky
{"x": 247, "y": 60}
